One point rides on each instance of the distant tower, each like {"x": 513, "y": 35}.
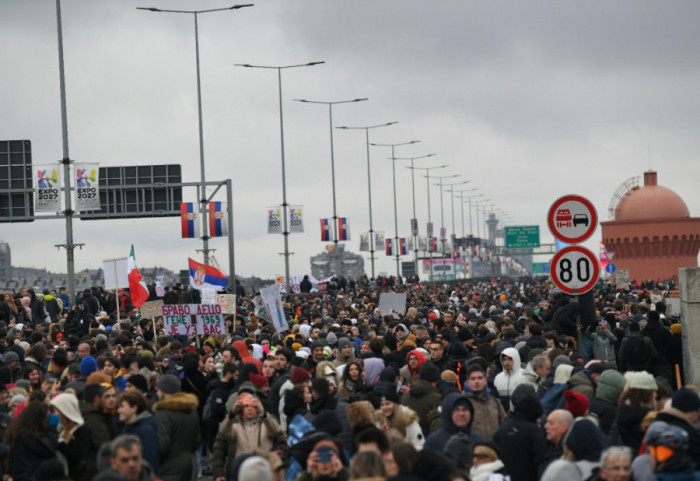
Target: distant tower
{"x": 492, "y": 224}
{"x": 5, "y": 261}
{"x": 650, "y": 231}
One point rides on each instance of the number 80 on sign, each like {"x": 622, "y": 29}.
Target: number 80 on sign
{"x": 575, "y": 270}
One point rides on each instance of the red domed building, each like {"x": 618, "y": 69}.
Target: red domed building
{"x": 650, "y": 233}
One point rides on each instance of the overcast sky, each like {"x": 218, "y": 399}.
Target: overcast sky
{"x": 527, "y": 100}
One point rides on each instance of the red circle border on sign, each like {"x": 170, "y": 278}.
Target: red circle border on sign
{"x": 558, "y": 282}
{"x": 591, "y": 227}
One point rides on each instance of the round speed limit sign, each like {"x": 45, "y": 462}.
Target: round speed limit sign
{"x": 575, "y": 270}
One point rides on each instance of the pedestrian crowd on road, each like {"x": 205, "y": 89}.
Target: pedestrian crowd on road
{"x": 490, "y": 380}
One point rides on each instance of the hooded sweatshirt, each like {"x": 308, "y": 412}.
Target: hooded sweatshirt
{"x": 437, "y": 440}
{"x": 506, "y": 381}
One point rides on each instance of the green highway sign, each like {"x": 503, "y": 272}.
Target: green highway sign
{"x": 522, "y": 237}
{"x": 540, "y": 267}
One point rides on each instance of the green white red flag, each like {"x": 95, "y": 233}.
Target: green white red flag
{"x": 137, "y": 286}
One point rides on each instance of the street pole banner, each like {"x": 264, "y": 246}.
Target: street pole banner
{"x": 191, "y": 319}
{"x": 390, "y": 247}
{"x": 429, "y": 230}
{"x": 296, "y": 221}
{"x": 364, "y": 242}
{"x": 443, "y": 233}
{"x": 378, "y": 240}
{"x": 422, "y": 243}
{"x": 325, "y": 230}
{"x": 272, "y": 300}
{"x": 189, "y": 220}
{"x": 217, "y": 219}
{"x": 343, "y": 229}
{"x": 274, "y": 220}
{"x": 409, "y": 243}
{"x": 414, "y": 227}
{"x": 87, "y": 194}
{"x": 47, "y": 191}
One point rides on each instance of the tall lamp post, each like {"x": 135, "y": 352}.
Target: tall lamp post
{"x": 453, "y": 236}
{"x": 414, "y": 233}
{"x": 369, "y": 184}
{"x": 330, "y": 120}
{"x": 396, "y": 217}
{"x": 284, "y": 174}
{"x": 203, "y": 193}
{"x": 430, "y": 222}
{"x": 443, "y": 238}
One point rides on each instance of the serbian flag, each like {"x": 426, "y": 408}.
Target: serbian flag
{"x": 189, "y": 217}
{"x": 203, "y": 276}
{"x": 217, "y": 219}
{"x": 137, "y": 286}
{"x": 402, "y": 246}
{"x": 390, "y": 247}
{"x": 325, "y": 230}
{"x": 433, "y": 244}
{"x": 343, "y": 229}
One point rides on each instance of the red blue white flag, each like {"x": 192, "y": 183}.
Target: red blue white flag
{"x": 325, "y": 230}
{"x": 189, "y": 218}
{"x": 433, "y": 244}
{"x": 203, "y": 276}
{"x": 343, "y": 229}
{"x": 402, "y": 246}
{"x": 217, "y": 219}
{"x": 390, "y": 247}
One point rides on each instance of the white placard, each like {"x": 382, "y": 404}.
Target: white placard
{"x": 389, "y": 301}
{"x": 272, "y": 300}
{"x": 116, "y": 273}
{"x": 191, "y": 319}
{"x": 227, "y": 303}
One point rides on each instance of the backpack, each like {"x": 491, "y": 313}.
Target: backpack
{"x": 637, "y": 351}
{"x": 554, "y": 397}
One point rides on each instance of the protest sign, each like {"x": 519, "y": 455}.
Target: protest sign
{"x": 191, "y": 319}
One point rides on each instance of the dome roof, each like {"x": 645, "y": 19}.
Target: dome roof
{"x": 651, "y": 202}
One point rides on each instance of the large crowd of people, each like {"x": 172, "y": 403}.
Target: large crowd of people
{"x": 493, "y": 380}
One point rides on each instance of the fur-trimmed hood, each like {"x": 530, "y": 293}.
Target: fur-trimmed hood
{"x": 180, "y": 401}
{"x": 361, "y": 413}
{"x": 402, "y": 417}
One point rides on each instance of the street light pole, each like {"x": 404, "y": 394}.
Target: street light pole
{"x": 284, "y": 174}
{"x": 396, "y": 216}
{"x": 429, "y": 234}
{"x": 330, "y": 117}
{"x": 443, "y": 236}
{"x": 414, "y": 233}
{"x": 203, "y": 193}
{"x": 369, "y": 184}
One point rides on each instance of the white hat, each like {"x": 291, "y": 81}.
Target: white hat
{"x": 67, "y": 403}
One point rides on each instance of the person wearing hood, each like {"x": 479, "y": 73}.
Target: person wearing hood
{"x": 409, "y": 372}
{"x": 604, "y": 404}
{"x": 512, "y": 375}
{"x": 392, "y": 415}
{"x": 133, "y": 412}
{"x": 404, "y": 337}
{"x": 521, "y": 440}
{"x": 457, "y": 415}
{"x": 73, "y": 442}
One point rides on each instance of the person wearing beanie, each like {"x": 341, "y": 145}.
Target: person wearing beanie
{"x": 88, "y": 365}
{"x": 457, "y": 414}
{"x": 315, "y": 357}
{"x": 179, "y": 434}
{"x": 584, "y": 445}
{"x": 393, "y": 415}
{"x": 663, "y": 341}
{"x": 488, "y": 410}
{"x": 423, "y": 395}
{"x": 137, "y": 381}
{"x": 634, "y": 404}
{"x": 74, "y": 442}
{"x": 344, "y": 353}
{"x": 247, "y": 428}
{"x": 604, "y": 405}
{"x": 486, "y": 462}
{"x": 683, "y": 413}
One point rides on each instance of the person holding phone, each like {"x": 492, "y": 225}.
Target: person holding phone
{"x": 324, "y": 462}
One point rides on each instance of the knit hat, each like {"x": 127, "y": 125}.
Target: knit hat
{"x": 88, "y": 365}
{"x": 342, "y": 342}
{"x": 258, "y": 380}
{"x": 17, "y": 398}
{"x": 429, "y": 372}
{"x": 60, "y": 358}
{"x": 459, "y": 449}
{"x": 388, "y": 374}
{"x": 169, "y": 384}
{"x": 10, "y": 357}
{"x": 331, "y": 339}
{"x": 316, "y": 344}
{"x": 576, "y": 403}
{"x": 138, "y": 381}
{"x": 67, "y": 404}
{"x": 643, "y": 380}
{"x": 448, "y": 376}
{"x": 465, "y": 334}
{"x": 255, "y": 468}
{"x": 686, "y": 400}
{"x": 676, "y": 328}
{"x": 610, "y": 386}
{"x": 586, "y": 441}
{"x": 300, "y": 375}
{"x": 390, "y": 394}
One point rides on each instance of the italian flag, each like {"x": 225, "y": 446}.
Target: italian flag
{"x": 137, "y": 286}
